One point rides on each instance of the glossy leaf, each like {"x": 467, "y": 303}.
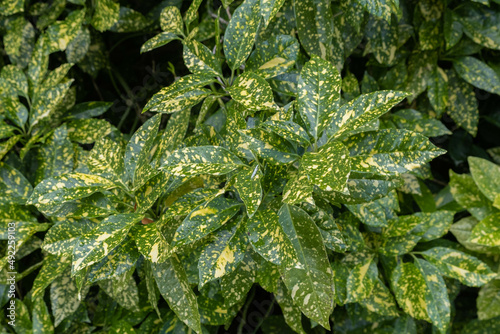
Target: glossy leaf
{"x": 252, "y": 92}
{"x": 248, "y": 185}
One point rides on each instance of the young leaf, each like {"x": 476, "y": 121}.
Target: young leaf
{"x": 241, "y": 32}
{"x": 455, "y": 264}
{"x": 310, "y": 279}
{"x": 174, "y": 287}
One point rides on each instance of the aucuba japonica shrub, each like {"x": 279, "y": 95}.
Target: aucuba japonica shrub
{"x": 335, "y": 158}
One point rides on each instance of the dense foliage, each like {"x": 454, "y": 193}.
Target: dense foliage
{"x": 250, "y": 166}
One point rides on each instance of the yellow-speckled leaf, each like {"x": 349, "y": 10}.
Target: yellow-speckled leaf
{"x": 61, "y": 33}
{"x": 409, "y": 287}
{"x": 158, "y": 40}
{"x": 462, "y": 103}
{"x": 466, "y": 192}
{"x": 248, "y": 184}
{"x": 362, "y": 111}
{"x": 477, "y": 74}
{"x": 437, "y": 300}
{"x": 361, "y": 280}
{"x": 199, "y": 59}
{"x": 291, "y": 313}
{"x": 381, "y": 300}
{"x": 488, "y": 303}
{"x": 236, "y": 284}
{"x": 328, "y": 168}
{"x": 148, "y": 193}
{"x": 53, "y": 266}
{"x": 241, "y": 32}
{"x": 274, "y": 56}
{"x": 487, "y": 231}
{"x": 182, "y": 94}
{"x": 130, "y": 21}
{"x": 376, "y": 213}
{"x": 269, "y": 8}
{"x": 269, "y": 240}
{"x": 486, "y": 175}
{"x": 9, "y": 7}
{"x": 65, "y": 188}
{"x": 288, "y": 130}
{"x": 61, "y": 237}
{"x": 173, "y": 135}
{"x": 46, "y": 103}
{"x": 42, "y": 322}
{"x": 437, "y": 90}
{"x": 437, "y": 223}
{"x": 205, "y": 219}
{"x": 88, "y": 131}
{"x": 171, "y": 20}
{"x": 138, "y": 152}
{"x": 298, "y": 189}
{"x": 174, "y": 287}
{"x": 252, "y": 92}
{"x": 468, "y": 269}
{"x": 106, "y": 14}
{"x": 123, "y": 290}
{"x": 151, "y": 243}
{"x": 314, "y": 21}
{"x": 213, "y": 160}
{"x": 222, "y": 255}
{"x": 381, "y": 8}
{"x": 63, "y": 297}
{"x": 390, "y": 151}
{"x": 318, "y": 94}
{"x": 14, "y": 187}
{"x": 480, "y": 23}
{"x": 310, "y": 280}
{"x": 267, "y": 145}
{"x": 98, "y": 243}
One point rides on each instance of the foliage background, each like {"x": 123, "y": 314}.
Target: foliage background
{"x": 374, "y": 45}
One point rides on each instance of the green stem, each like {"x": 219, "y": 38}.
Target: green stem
{"x": 244, "y": 312}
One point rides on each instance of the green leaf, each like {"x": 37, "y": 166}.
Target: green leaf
{"x": 382, "y": 9}
{"x": 291, "y": 312}
{"x": 61, "y": 33}
{"x": 16, "y": 78}
{"x": 88, "y": 131}
{"x": 171, "y": 20}
{"x": 106, "y": 14}
{"x": 182, "y": 94}
{"x": 148, "y": 193}
{"x": 89, "y": 109}
{"x": 487, "y": 232}
{"x": 62, "y": 236}
{"x": 130, "y": 21}
{"x": 63, "y": 297}
{"x": 486, "y": 175}
{"x": 289, "y": 131}
{"x": 462, "y": 103}
{"x": 98, "y": 243}
{"x": 253, "y": 92}
{"x": 462, "y": 230}
{"x": 79, "y": 45}
{"x": 274, "y": 56}
{"x": 362, "y": 111}
{"x": 15, "y": 188}
{"x": 10, "y": 7}
{"x": 241, "y": 32}
{"x": 477, "y": 74}
{"x": 248, "y": 184}
{"x": 106, "y": 160}
{"x": 412, "y": 120}
{"x": 310, "y": 280}
{"x": 199, "y": 59}
{"x": 488, "y": 303}
{"x": 455, "y": 264}
{"x": 380, "y": 300}
{"x": 314, "y": 26}
{"x": 390, "y": 151}
{"x": 123, "y": 290}
{"x": 318, "y": 93}
{"x": 213, "y": 160}
{"x": 64, "y": 188}
{"x": 439, "y": 223}
{"x": 479, "y": 23}
{"x": 236, "y": 284}
{"x": 151, "y": 243}
{"x": 173, "y": 135}
{"x": 222, "y": 255}
{"x": 382, "y": 39}
{"x": 267, "y": 146}
{"x": 437, "y": 90}
{"x": 205, "y": 219}
{"x": 158, "y": 40}
{"x": 361, "y": 280}
{"x": 137, "y": 154}
{"x": 39, "y": 61}
{"x": 53, "y": 266}
{"x": 467, "y": 194}
{"x": 174, "y": 287}
{"x": 269, "y": 239}
{"x": 437, "y": 300}
{"x": 269, "y": 9}
{"x": 376, "y": 213}
{"x": 328, "y": 168}
{"x": 42, "y": 323}
{"x": 46, "y": 103}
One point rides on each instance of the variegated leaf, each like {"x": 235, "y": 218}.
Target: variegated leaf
{"x": 106, "y": 14}
{"x": 479, "y": 24}
{"x": 199, "y": 59}
{"x": 248, "y": 184}
{"x": 213, "y": 160}
{"x": 467, "y": 194}
{"x": 477, "y": 74}
{"x": 173, "y": 135}
{"x": 236, "y": 284}
{"x": 88, "y": 131}
{"x": 174, "y": 287}
{"x": 151, "y": 243}
{"x": 63, "y": 297}
{"x": 390, "y": 151}
{"x": 298, "y": 189}
{"x": 42, "y": 322}
{"x": 329, "y": 167}
{"x": 380, "y": 300}
{"x": 61, "y": 33}
{"x": 171, "y": 20}
{"x": 106, "y": 159}
{"x": 310, "y": 280}
{"x": 53, "y": 266}
{"x": 361, "y": 280}
{"x": 222, "y": 255}
{"x": 99, "y": 242}
{"x": 318, "y": 94}
{"x": 274, "y": 56}
{"x": 462, "y": 103}
{"x": 15, "y": 188}
{"x": 288, "y": 130}
{"x": 241, "y": 32}
{"x": 252, "y": 92}
{"x": 205, "y": 219}
{"x": 488, "y": 303}
{"x": 487, "y": 231}
{"x": 486, "y": 175}
{"x": 468, "y": 269}
{"x": 362, "y": 111}
{"x": 61, "y": 237}
{"x": 291, "y": 313}
{"x": 158, "y": 40}
{"x": 123, "y": 290}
